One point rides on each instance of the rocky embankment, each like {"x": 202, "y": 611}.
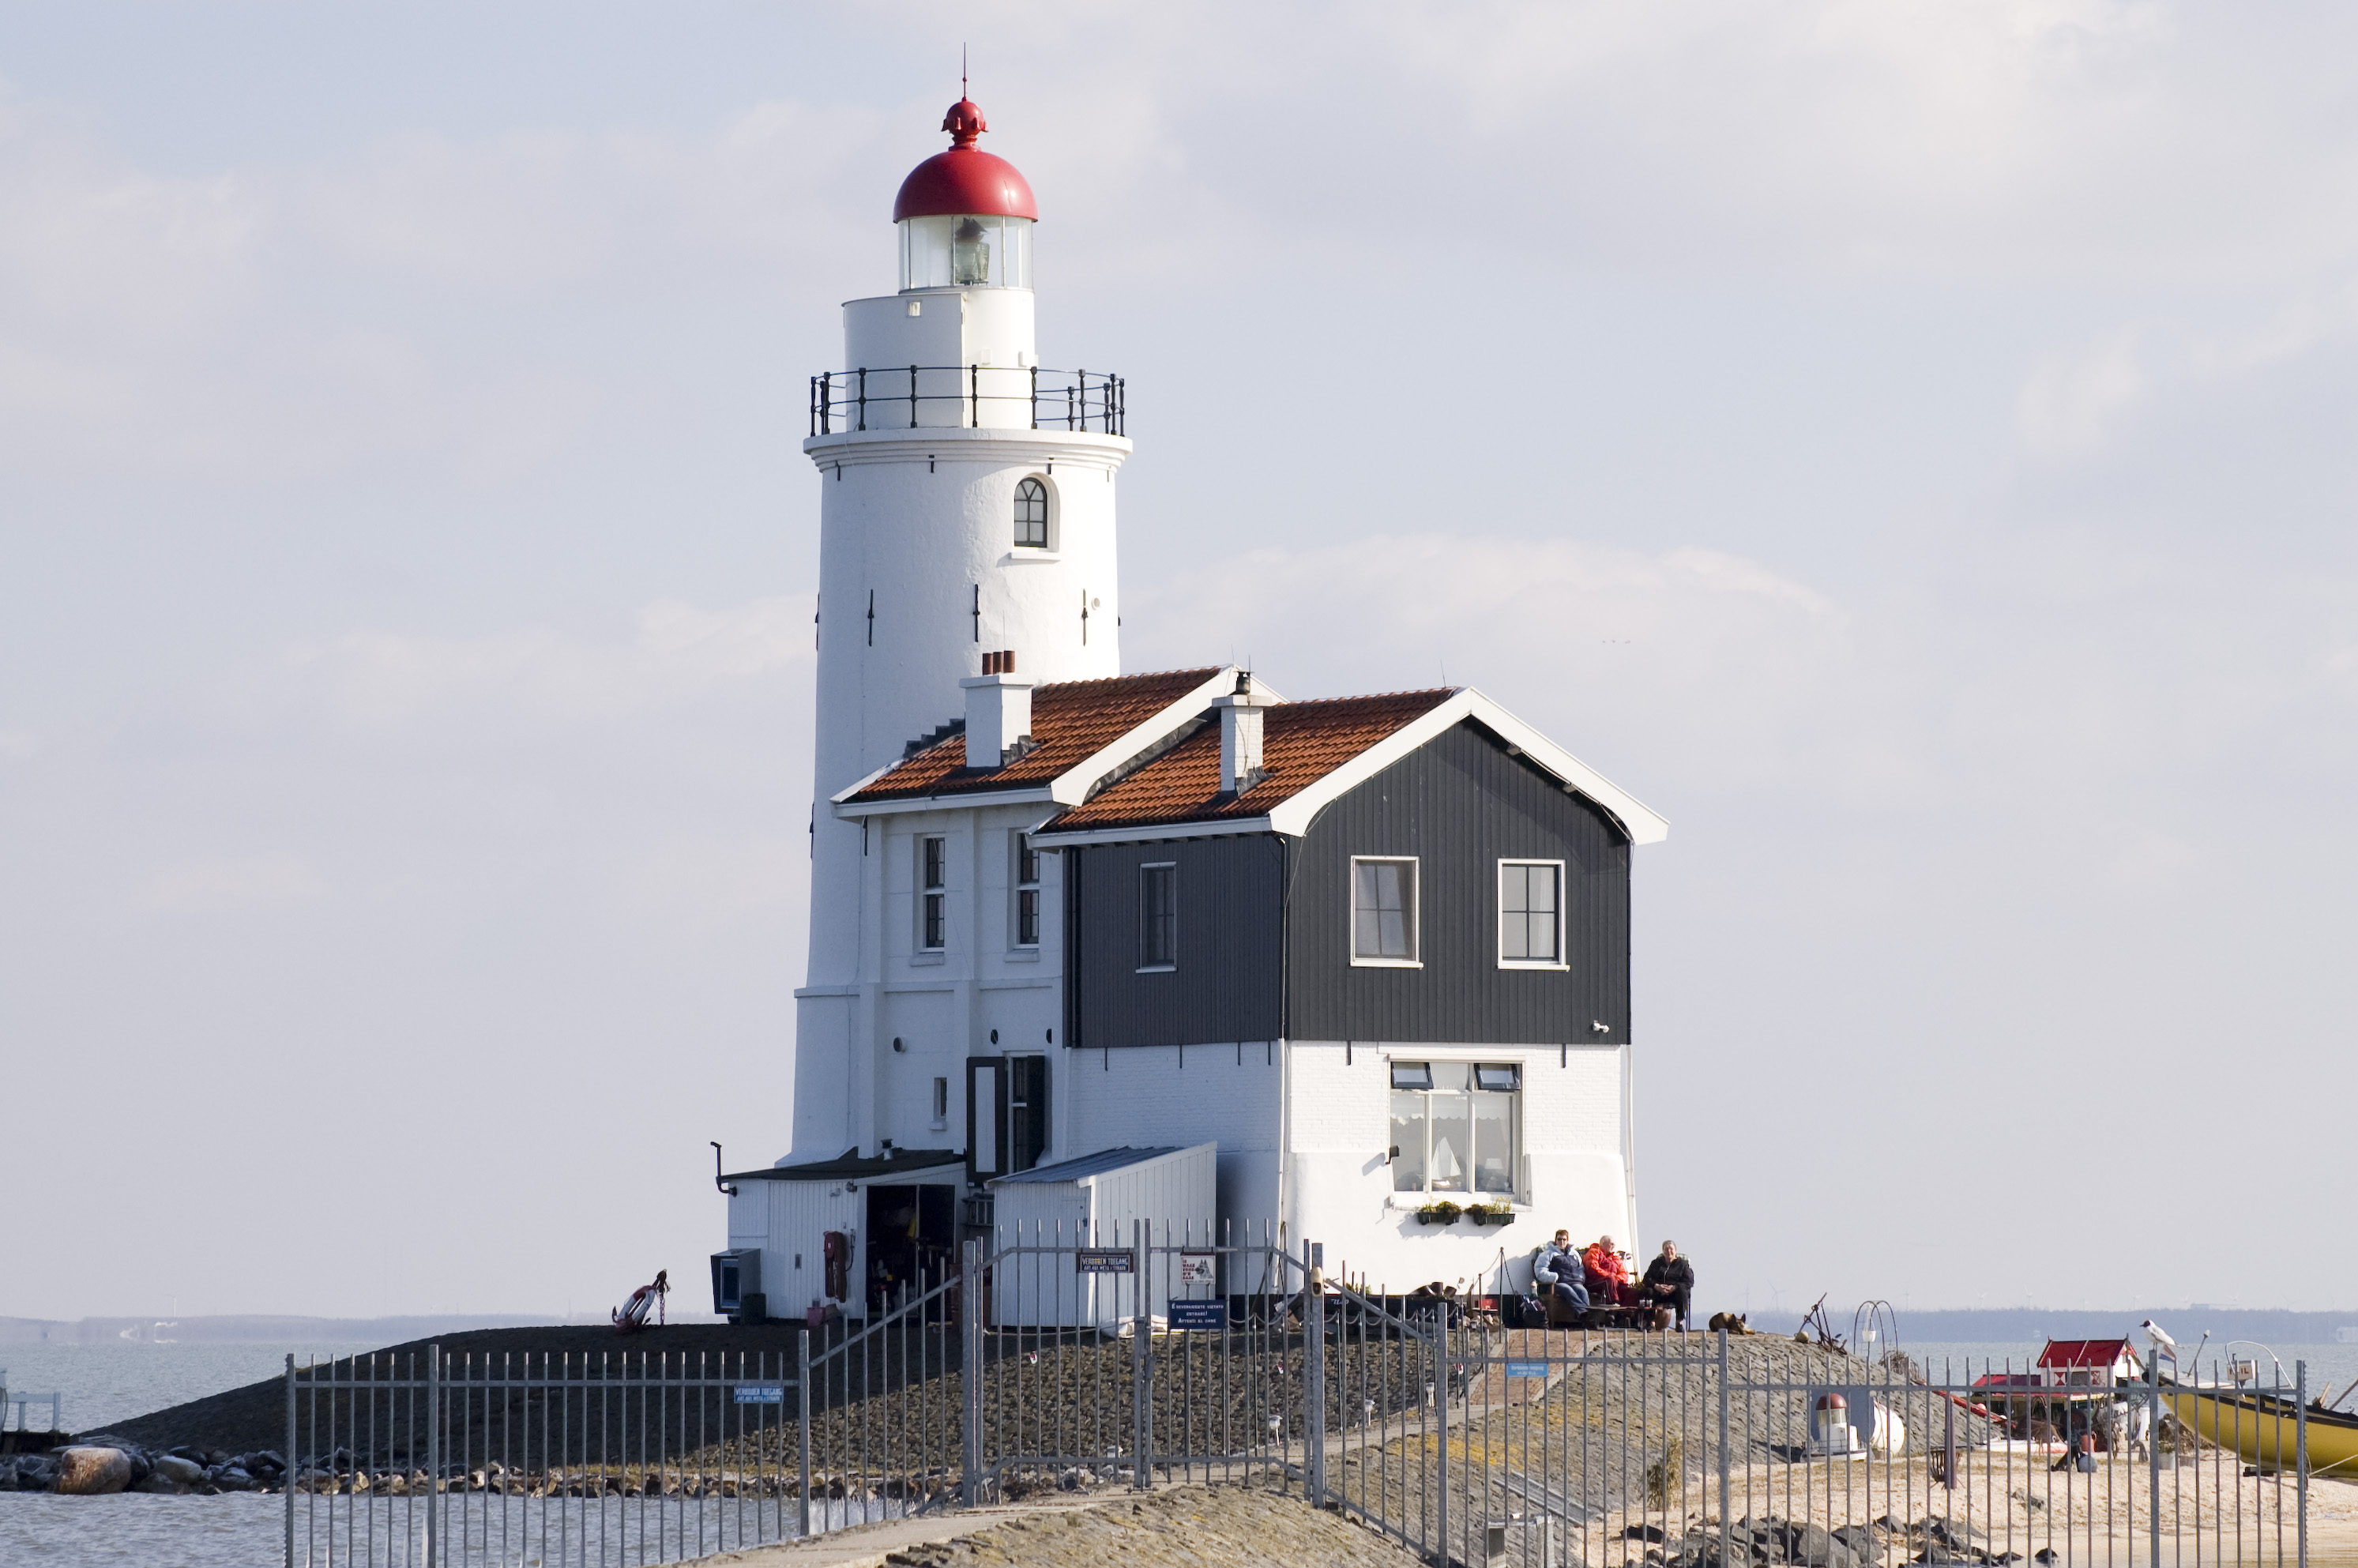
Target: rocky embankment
{"x": 93, "y": 1467}
{"x": 1773, "y": 1542}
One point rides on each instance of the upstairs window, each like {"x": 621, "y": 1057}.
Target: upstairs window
{"x": 1032, "y": 514}
{"x": 1531, "y": 915}
{"x": 1158, "y": 916}
{"x": 933, "y": 892}
{"x": 1027, "y": 1111}
{"x": 1027, "y": 892}
{"x": 1455, "y": 1126}
{"x": 1383, "y": 912}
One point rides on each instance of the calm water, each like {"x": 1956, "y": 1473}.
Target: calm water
{"x": 102, "y": 1384}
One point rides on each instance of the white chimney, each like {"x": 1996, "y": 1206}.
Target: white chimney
{"x": 998, "y": 711}
{"x": 1240, "y": 714}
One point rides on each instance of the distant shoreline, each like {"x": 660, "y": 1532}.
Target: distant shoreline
{"x": 254, "y": 1328}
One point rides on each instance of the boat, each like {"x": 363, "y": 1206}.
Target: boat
{"x": 2263, "y": 1427}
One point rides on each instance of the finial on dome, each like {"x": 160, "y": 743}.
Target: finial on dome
{"x": 964, "y": 123}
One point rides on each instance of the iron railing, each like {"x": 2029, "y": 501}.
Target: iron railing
{"x": 972, "y": 396}
{"x": 1064, "y": 1363}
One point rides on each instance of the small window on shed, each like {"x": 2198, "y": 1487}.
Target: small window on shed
{"x": 1032, "y": 514}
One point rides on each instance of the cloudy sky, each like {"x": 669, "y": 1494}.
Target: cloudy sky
{"x": 1909, "y": 443}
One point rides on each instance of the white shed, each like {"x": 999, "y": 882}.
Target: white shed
{"x": 1042, "y": 1214}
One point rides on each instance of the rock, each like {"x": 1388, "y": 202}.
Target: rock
{"x": 1642, "y": 1532}
{"x": 230, "y": 1478}
{"x": 85, "y": 1472}
{"x": 179, "y": 1469}
{"x": 159, "y": 1484}
{"x": 1861, "y": 1541}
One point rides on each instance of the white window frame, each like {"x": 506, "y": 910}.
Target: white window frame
{"x": 1019, "y": 843}
{"x": 1143, "y": 966}
{"x": 1562, "y": 960}
{"x": 928, "y": 891}
{"x": 1516, "y": 1150}
{"x": 1415, "y": 910}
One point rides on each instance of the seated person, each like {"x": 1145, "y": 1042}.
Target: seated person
{"x": 1608, "y": 1277}
{"x": 1670, "y": 1281}
{"x": 1556, "y": 1273}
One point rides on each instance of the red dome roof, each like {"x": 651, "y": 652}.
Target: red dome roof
{"x": 965, "y": 179}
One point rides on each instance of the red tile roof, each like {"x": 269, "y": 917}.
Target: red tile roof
{"x": 2084, "y": 1352}
{"x": 1071, "y": 722}
{"x": 1302, "y": 743}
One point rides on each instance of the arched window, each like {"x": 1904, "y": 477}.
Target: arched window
{"x": 1032, "y": 514}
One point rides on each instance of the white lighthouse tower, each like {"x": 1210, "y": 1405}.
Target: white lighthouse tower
{"x": 966, "y": 539}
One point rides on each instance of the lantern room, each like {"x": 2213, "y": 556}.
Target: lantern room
{"x": 965, "y": 215}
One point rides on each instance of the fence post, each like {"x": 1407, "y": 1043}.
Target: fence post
{"x": 970, "y": 1374}
{"x": 802, "y": 1397}
{"x": 2300, "y": 1452}
{"x": 293, "y": 1464}
{"x": 1141, "y": 1366}
{"x": 1724, "y": 1520}
{"x": 432, "y": 1456}
{"x": 1313, "y": 1381}
{"x": 2152, "y": 1448}
{"x": 1441, "y": 1416}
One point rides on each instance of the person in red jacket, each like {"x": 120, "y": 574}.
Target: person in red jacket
{"x": 1608, "y": 1277}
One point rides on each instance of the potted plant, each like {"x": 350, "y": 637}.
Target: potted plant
{"x": 1442, "y": 1212}
{"x": 1491, "y": 1214}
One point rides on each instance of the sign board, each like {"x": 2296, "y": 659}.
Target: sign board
{"x": 1199, "y": 1314}
{"x": 1527, "y": 1369}
{"x": 1198, "y": 1268}
{"x": 761, "y": 1393}
{"x": 1103, "y": 1260}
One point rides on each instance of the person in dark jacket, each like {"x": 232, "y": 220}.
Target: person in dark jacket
{"x": 1557, "y": 1270}
{"x": 1670, "y": 1281}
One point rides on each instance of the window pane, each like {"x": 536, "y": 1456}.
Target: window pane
{"x": 1453, "y": 1142}
{"x": 1543, "y": 942}
{"x": 1408, "y": 1137}
{"x": 934, "y": 919}
{"x": 1494, "y": 1142}
{"x": 1451, "y": 1075}
{"x": 1514, "y": 923}
{"x": 1411, "y": 1076}
{"x": 1027, "y": 861}
{"x": 1027, "y": 918}
{"x": 1514, "y": 889}
{"x": 934, "y": 859}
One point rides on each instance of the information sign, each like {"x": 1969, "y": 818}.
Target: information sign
{"x": 1527, "y": 1369}
{"x": 761, "y": 1393}
{"x": 1104, "y": 1260}
{"x": 1199, "y": 1314}
{"x": 1198, "y": 1268}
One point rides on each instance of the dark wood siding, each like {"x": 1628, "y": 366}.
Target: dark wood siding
{"x": 1460, "y": 804}
{"x": 1227, "y": 984}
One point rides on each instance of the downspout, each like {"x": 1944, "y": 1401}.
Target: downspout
{"x": 1629, "y": 1143}
{"x": 1284, "y": 1030}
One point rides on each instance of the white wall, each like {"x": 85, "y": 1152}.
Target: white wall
{"x": 1162, "y": 1095}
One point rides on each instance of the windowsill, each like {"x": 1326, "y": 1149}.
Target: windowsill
{"x": 1023, "y": 955}
{"x": 1359, "y": 963}
{"x": 1463, "y": 1200}
{"x": 1534, "y": 964}
{"x": 1158, "y": 968}
{"x": 940, "y": 957}
{"x": 1022, "y": 553}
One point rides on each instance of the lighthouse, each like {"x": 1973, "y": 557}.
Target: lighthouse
{"x": 965, "y": 535}
{"x": 1353, "y": 969}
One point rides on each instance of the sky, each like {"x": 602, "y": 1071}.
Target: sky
{"x": 1906, "y": 443}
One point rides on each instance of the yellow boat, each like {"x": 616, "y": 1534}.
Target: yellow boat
{"x": 2263, "y": 1428}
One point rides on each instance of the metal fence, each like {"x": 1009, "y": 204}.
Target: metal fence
{"x": 908, "y": 397}
{"x": 1065, "y": 1363}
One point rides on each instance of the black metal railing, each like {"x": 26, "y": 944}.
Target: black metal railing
{"x": 903, "y": 397}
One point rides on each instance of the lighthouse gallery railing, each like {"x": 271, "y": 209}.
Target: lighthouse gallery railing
{"x": 971, "y": 396}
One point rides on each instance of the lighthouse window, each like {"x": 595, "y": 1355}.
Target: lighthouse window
{"x": 933, "y": 894}
{"x": 1455, "y": 1127}
{"x": 1027, "y": 892}
{"x": 1383, "y": 912}
{"x": 1032, "y": 514}
{"x": 1158, "y": 916}
{"x": 1531, "y": 915}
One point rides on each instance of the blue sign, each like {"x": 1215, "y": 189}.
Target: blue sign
{"x": 1199, "y": 1314}
{"x": 761, "y": 1393}
{"x": 1527, "y": 1369}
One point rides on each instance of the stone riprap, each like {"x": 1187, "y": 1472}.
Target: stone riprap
{"x": 104, "y": 1464}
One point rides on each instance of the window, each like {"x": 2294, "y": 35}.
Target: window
{"x": 933, "y": 894}
{"x": 1531, "y": 914}
{"x": 1158, "y": 916}
{"x": 941, "y": 1104}
{"x": 1027, "y": 892}
{"x": 1383, "y": 912}
{"x": 1027, "y": 1110}
{"x": 1032, "y": 514}
{"x": 1455, "y": 1127}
